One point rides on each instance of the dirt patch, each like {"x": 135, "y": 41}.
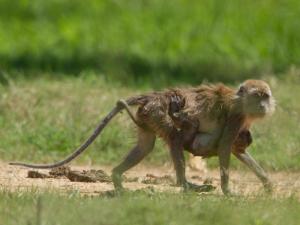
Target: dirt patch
{"x": 88, "y": 176}
{"x": 92, "y": 176}
{"x": 96, "y": 180}
{"x": 37, "y": 174}
{"x": 79, "y": 176}
{"x": 153, "y": 179}
{"x": 72, "y": 175}
{"x": 59, "y": 171}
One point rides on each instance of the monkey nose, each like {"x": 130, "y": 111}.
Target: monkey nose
{"x": 262, "y": 107}
{"x": 263, "y": 104}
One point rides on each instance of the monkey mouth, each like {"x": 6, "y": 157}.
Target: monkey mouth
{"x": 268, "y": 110}
{"x": 259, "y": 112}
{"x": 263, "y": 112}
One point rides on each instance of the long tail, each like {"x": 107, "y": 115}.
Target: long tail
{"x": 82, "y": 148}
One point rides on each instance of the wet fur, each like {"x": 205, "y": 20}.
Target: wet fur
{"x": 208, "y": 108}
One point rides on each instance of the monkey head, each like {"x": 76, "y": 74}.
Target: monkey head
{"x": 256, "y": 98}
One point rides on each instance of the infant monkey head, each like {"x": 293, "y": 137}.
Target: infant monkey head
{"x": 256, "y": 98}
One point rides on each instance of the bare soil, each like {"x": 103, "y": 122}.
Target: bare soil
{"x": 13, "y": 178}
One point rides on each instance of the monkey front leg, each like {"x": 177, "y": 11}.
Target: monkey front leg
{"x": 256, "y": 168}
{"x": 224, "y": 161}
{"x": 176, "y": 149}
{"x": 179, "y": 164}
{"x": 230, "y": 133}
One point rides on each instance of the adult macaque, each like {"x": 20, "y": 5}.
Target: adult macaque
{"x": 221, "y": 118}
{"x": 254, "y": 102}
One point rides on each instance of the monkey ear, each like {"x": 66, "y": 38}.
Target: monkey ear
{"x": 241, "y": 91}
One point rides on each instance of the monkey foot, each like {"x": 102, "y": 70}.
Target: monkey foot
{"x": 268, "y": 186}
{"x": 199, "y": 188}
{"x": 117, "y": 181}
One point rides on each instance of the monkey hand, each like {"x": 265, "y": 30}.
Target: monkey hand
{"x": 175, "y": 105}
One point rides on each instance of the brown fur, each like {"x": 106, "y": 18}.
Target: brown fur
{"x": 252, "y": 101}
{"x": 205, "y": 101}
{"x": 216, "y": 110}
{"x": 211, "y": 102}
{"x": 209, "y": 109}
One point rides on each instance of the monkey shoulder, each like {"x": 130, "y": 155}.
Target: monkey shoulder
{"x": 213, "y": 99}
{"x": 211, "y": 104}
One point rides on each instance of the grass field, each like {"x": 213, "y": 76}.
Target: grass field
{"x": 145, "y": 207}
{"x": 64, "y": 64}
{"x": 45, "y": 119}
{"x": 181, "y": 40}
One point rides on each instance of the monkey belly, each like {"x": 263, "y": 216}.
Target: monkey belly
{"x": 203, "y": 145}
{"x": 203, "y": 152}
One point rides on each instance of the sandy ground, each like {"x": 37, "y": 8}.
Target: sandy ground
{"x": 14, "y": 178}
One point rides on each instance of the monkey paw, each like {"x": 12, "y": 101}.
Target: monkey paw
{"x": 268, "y": 186}
{"x": 117, "y": 180}
{"x": 176, "y": 104}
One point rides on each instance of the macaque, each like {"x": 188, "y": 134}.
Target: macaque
{"x": 212, "y": 120}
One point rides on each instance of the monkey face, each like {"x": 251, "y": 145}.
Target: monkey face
{"x": 257, "y": 99}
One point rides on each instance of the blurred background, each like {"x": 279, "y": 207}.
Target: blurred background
{"x": 63, "y": 64}
{"x": 179, "y": 40}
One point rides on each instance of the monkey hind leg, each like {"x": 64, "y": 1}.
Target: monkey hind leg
{"x": 145, "y": 144}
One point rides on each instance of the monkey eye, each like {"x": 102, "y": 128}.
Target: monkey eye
{"x": 241, "y": 91}
{"x": 256, "y": 95}
{"x": 261, "y": 95}
{"x": 265, "y": 95}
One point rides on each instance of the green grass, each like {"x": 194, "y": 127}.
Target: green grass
{"x": 47, "y": 118}
{"x": 187, "y": 40}
{"x": 64, "y": 64}
{"x": 44, "y": 119}
{"x": 145, "y": 208}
